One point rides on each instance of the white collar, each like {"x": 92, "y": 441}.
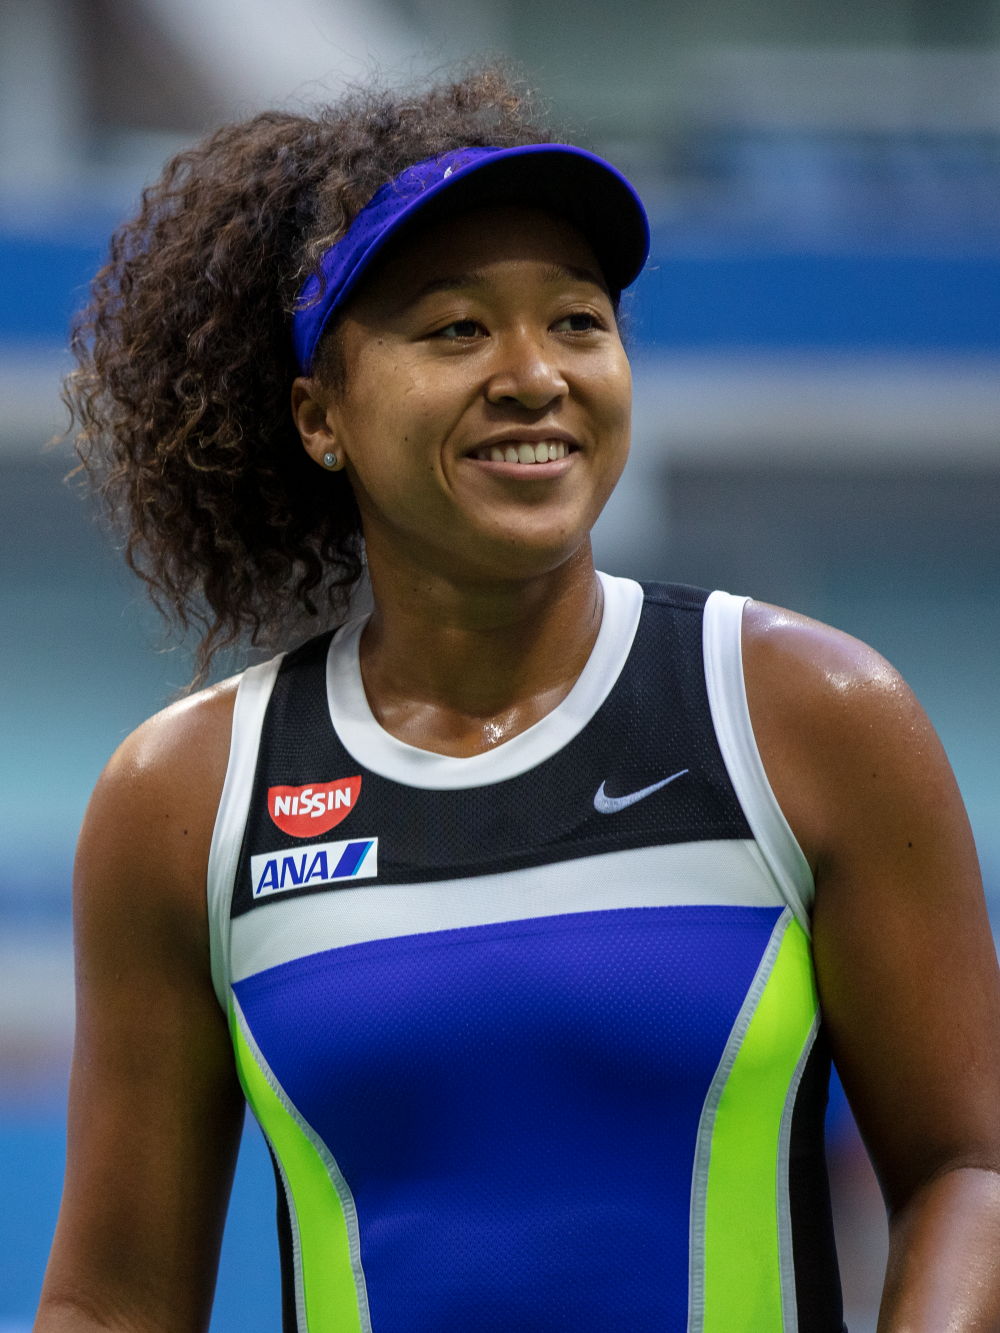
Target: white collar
{"x": 377, "y": 750}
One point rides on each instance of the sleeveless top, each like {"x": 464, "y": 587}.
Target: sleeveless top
{"x": 533, "y": 1036}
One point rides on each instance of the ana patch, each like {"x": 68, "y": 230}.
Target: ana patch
{"x": 309, "y": 867}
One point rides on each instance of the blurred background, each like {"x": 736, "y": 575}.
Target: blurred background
{"x": 816, "y": 345}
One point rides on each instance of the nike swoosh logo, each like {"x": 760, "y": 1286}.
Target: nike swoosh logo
{"x": 610, "y": 805}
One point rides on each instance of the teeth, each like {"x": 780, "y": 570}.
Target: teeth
{"x": 548, "y": 451}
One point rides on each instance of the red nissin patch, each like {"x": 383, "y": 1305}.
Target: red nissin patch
{"x": 305, "y": 811}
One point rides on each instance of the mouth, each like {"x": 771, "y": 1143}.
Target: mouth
{"x": 524, "y": 454}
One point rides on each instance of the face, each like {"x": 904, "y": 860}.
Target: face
{"x": 485, "y": 405}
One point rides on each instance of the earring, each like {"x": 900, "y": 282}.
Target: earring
{"x": 329, "y": 460}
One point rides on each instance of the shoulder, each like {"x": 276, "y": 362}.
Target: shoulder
{"x": 802, "y": 665}
{"x": 844, "y": 741}
{"x": 176, "y": 760}
{"x": 152, "y": 812}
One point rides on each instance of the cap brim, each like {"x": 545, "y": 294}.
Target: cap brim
{"x": 567, "y": 181}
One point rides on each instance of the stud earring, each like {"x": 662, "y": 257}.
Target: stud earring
{"x": 329, "y": 460}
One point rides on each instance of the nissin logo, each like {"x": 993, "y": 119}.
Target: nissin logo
{"x": 323, "y": 863}
{"x": 305, "y": 811}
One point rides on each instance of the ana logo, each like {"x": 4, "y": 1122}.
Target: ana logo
{"x": 309, "y": 867}
{"x": 305, "y": 811}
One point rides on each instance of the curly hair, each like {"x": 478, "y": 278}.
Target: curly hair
{"x": 180, "y": 405}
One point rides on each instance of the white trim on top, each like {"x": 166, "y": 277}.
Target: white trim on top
{"x": 724, "y": 873}
{"x": 376, "y": 749}
{"x": 722, "y": 640}
{"x": 252, "y": 697}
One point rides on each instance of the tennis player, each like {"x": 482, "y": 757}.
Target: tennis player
{"x": 526, "y": 911}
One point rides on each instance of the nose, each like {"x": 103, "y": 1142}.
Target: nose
{"x": 528, "y": 376}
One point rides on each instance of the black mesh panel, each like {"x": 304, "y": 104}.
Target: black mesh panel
{"x": 655, "y": 722}
{"x": 289, "y": 1317}
{"x": 814, "y": 1248}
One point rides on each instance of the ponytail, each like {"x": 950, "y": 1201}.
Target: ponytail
{"x": 180, "y": 400}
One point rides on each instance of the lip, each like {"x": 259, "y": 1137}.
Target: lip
{"x": 525, "y": 471}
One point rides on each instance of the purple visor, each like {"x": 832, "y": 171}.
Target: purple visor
{"x": 568, "y": 181}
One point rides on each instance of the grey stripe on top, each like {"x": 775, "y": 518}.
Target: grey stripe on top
{"x": 724, "y": 873}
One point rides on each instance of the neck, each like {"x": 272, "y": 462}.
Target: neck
{"x": 459, "y": 666}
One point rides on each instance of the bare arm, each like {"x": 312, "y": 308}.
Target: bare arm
{"x": 155, "y": 1108}
{"x": 905, "y": 961}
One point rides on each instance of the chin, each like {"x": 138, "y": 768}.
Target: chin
{"x": 529, "y": 557}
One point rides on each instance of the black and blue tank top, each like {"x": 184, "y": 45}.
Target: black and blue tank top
{"x": 533, "y": 1036}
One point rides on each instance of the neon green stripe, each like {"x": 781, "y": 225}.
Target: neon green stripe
{"x": 742, "y": 1273}
{"x": 331, "y": 1297}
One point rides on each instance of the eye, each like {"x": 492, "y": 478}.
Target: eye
{"x": 576, "y": 323}
{"x": 461, "y": 328}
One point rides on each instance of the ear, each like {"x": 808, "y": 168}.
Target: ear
{"x": 311, "y": 412}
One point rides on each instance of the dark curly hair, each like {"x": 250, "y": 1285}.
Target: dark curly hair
{"x": 180, "y": 402}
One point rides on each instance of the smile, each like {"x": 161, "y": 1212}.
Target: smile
{"x": 546, "y": 451}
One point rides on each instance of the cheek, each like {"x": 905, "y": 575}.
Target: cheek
{"x": 378, "y": 416}
{"x": 611, "y": 398}
{"x": 394, "y": 425}
{"x": 402, "y": 413}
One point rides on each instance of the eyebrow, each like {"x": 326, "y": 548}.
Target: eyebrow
{"x": 576, "y": 271}
{"x": 453, "y": 282}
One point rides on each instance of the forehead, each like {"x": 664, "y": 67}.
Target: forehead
{"x": 478, "y": 241}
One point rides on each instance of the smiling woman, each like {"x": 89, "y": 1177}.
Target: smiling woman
{"x": 526, "y": 911}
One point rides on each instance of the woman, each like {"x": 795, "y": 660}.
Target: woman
{"x": 525, "y": 894}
